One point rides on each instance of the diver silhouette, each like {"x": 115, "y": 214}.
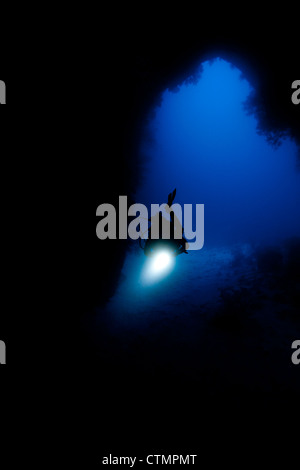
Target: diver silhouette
{"x": 175, "y": 245}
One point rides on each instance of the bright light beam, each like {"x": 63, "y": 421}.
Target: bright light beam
{"x": 161, "y": 262}
{"x": 158, "y": 266}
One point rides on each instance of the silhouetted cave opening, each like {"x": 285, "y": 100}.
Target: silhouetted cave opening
{"x": 249, "y": 153}
{"x": 269, "y": 101}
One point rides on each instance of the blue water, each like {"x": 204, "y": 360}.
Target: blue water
{"x": 203, "y": 143}
{"x": 192, "y": 284}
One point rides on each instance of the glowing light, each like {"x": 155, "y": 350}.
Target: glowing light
{"x": 158, "y": 266}
{"x": 161, "y": 261}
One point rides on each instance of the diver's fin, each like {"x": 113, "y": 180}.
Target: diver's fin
{"x": 171, "y": 197}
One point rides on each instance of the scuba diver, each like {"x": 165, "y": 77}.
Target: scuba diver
{"x": 175, "y": 245}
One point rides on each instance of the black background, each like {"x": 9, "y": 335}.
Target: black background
{"x": 75, "y": 101}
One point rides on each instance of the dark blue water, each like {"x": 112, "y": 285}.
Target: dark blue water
{"x": 203, "y": 143}
{"x": 224, "y": 315}
{"x": 206, "y": 146}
